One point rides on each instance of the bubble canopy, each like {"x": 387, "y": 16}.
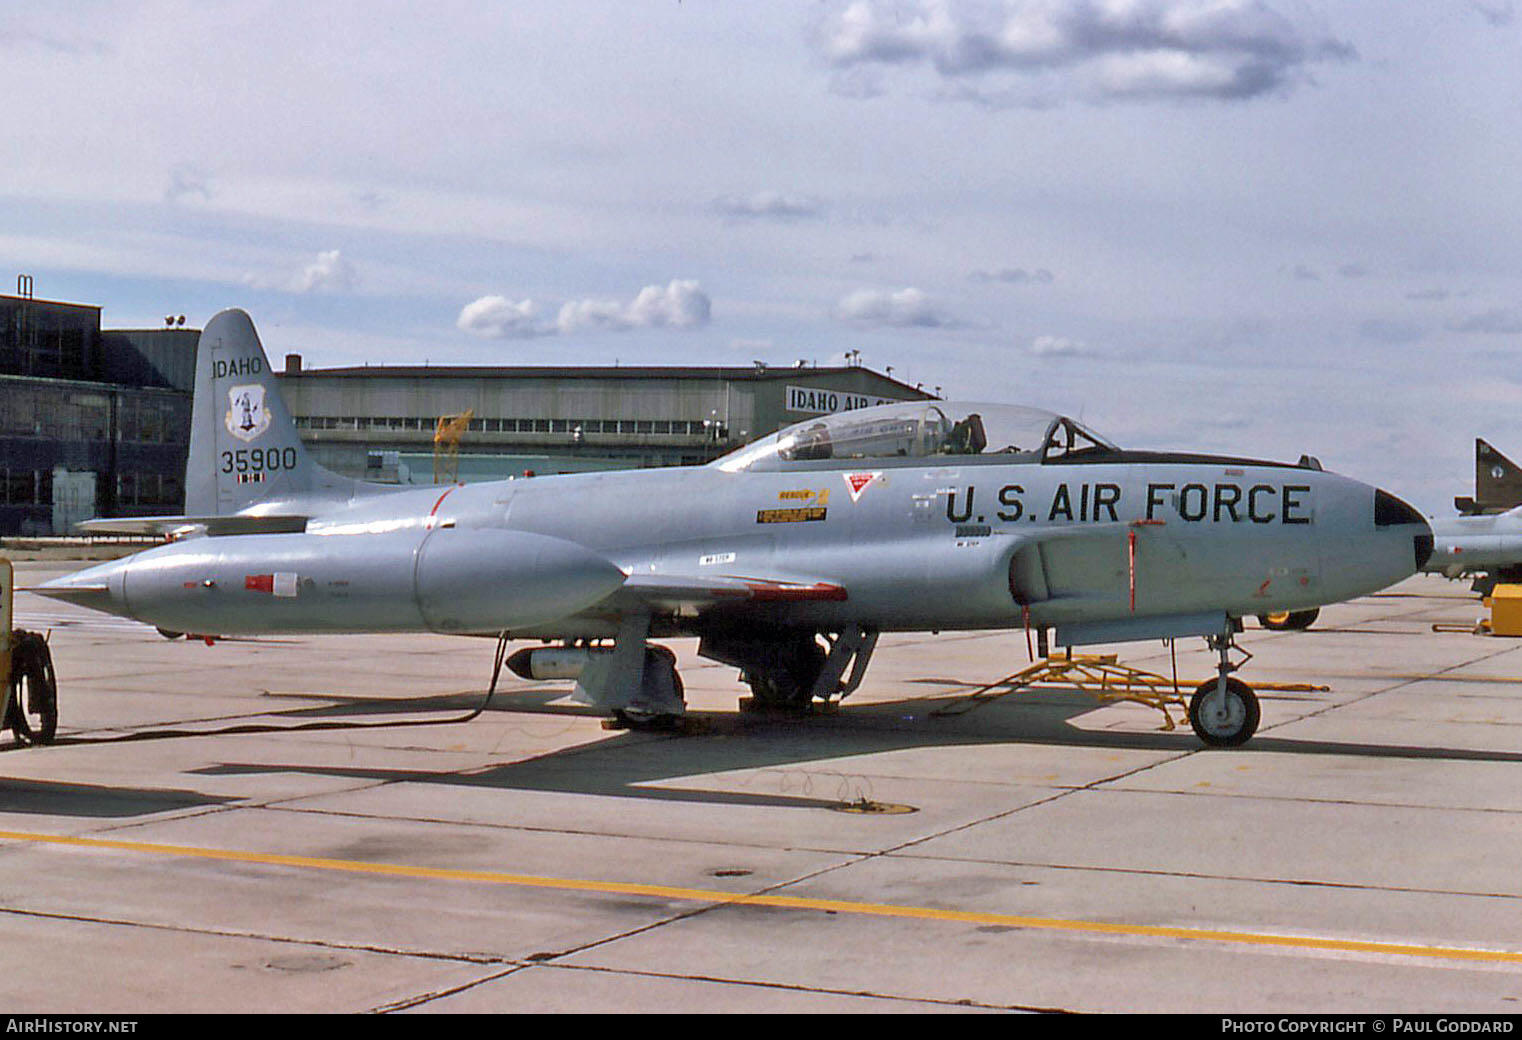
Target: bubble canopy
{"x": 923, "y": 430}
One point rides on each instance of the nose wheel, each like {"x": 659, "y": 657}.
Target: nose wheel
{"x": 1224, "y": 711}
{"x": 1224, "y": 717}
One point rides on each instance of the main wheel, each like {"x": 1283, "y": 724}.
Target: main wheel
{"x": 1228, "y": 721}
{"x": 789, "y": 682}
{"x": 1289, "y": 620}
{"x": 33, "y": 702}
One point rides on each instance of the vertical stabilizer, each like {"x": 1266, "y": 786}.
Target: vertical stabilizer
{"x": 1497, "y": 481}
{"x": 244, "y": 449}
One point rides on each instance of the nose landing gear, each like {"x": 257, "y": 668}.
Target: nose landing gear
{"x": 1224, "y": 712}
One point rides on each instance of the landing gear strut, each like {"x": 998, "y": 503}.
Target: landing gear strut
{"x": 1224, "y": 712}
{"x": 662, "y": 698}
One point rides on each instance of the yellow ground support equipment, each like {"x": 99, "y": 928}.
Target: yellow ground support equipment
{"x": 26, "y": 674}
{"x": 1099, "y": 675}
{"x": 1506, "y": 610}
{"x": 1103, "y": 677}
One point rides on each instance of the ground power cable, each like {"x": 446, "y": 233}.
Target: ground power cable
{"x": 301, "y": 727}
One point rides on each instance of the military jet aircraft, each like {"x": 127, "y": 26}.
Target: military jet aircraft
{"x": 1487, "y": 547}
{"x": 1483, "y": 543}
{"x": 786, "y": 558}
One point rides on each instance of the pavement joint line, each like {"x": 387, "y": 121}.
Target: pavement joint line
{"x": 1436, "y": 676}
{"x": 721, "y": 980}
{"x": 782, "y": 902}
{"x": 476, "y": 959}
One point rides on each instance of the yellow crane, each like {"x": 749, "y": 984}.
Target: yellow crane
{"x": 446, "y": 445}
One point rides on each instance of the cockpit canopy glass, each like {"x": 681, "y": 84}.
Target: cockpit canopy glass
{"x": 924, "y": 430}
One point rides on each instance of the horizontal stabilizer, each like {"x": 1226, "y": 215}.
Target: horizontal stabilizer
{"x": 213, "y": 525}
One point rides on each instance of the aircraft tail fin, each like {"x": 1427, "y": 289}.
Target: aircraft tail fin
{"x": 1497, "y": 481}
{"x": 244, "y": 448}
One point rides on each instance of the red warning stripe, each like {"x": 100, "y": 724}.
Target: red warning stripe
{"x": 259, "y": 583}
{"x": 775, "y": 592}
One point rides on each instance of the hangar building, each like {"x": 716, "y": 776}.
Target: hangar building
{"x": 93, "y": 422}
{"x": 96, "y": 422}
{"x": 380, "y": 421}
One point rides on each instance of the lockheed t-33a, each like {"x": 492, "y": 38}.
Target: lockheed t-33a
{"x": 785, "y": 558}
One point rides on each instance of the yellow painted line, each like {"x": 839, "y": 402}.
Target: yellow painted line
{"x": 701, "y": 895}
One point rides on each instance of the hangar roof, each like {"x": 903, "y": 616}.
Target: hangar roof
{"x": 733, "y": 373}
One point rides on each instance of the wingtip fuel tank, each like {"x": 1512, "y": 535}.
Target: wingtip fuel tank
{"x": 421, "y": 580}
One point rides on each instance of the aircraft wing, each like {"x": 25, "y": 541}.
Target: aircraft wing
{"x": 213, "y": 525}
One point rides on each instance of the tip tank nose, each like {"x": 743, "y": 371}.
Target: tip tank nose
{"x": 97, "y": 588}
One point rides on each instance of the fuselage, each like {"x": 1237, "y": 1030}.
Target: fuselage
{"x": 1467, "y": 544}
{"x": 963, "y": 542}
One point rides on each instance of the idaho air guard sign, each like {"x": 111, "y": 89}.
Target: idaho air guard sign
{"x": 812, "y": 400}
{"x": 247, "y": 418}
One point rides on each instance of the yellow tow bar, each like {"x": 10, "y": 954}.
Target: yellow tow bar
{"x": 1103, "y": 677}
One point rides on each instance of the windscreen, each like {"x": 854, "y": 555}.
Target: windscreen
{"x": 921, "y": 430}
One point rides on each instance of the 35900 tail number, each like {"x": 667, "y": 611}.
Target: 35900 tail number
{"x": 258, "y": 460}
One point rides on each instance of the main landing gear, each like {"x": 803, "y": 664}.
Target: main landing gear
{"x": 662, "y": 702}
{"x": 788, "y": 670}
{"x": 1224, "y": 711}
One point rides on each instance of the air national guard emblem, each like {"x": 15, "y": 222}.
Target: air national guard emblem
{"x": 247, "y": 418}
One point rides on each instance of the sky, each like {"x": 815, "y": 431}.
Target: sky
{"x": 1254, "y": 227}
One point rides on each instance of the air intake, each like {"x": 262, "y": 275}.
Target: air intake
{"x": 1390, "y": 511}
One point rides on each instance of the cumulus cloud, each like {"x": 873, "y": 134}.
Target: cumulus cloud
{"x": 681, "y": 304}
{"x": 330, "y": 272}
{"x": 497, "y": 317}
{"x": 1102, "y": 50}
{"x": 1013, "y": 276}
{"x": 768, "y": 205}
{"x": 905, "y": 308}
